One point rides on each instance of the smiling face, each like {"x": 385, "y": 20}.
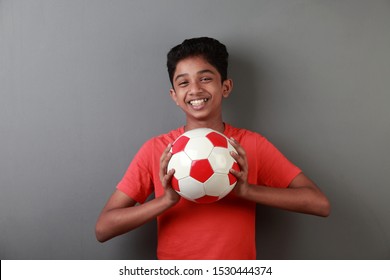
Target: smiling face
{"x": 198, "y": 91}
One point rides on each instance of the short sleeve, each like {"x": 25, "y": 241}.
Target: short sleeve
{"x": 275, "y": 170}
{"x": 137, "y": 181}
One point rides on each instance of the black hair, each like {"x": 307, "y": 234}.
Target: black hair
{"x": 210, "y": 49}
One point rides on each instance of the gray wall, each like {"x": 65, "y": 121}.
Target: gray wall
{"x": 83, "y": 84}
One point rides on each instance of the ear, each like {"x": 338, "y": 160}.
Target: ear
{"x": 227, "y": 87}
{"x": 173, "y": 95}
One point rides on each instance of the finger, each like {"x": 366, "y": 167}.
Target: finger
{"x": 240, "y": 150}
{"x": 166, "y": 181}
{"x": 165, "y": 152}
{"x": 164, "y": 160}
{"x": 236, "y": 157}
{"x": 238, "y": 174}
{"x": 239, "y": 155}
{"x": 233, "y": 142}
{"x": 241, "y": 160}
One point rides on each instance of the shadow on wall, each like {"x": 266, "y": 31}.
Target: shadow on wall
{"x": 272, "y": 228}
{"x": 140, "y": 244}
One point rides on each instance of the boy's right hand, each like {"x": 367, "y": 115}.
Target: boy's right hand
{"x": 166, "y": 176}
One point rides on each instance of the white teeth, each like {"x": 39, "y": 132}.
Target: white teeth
{"x": 198, "y": 102}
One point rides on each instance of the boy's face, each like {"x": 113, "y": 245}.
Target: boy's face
{"x": 198, "y": 89}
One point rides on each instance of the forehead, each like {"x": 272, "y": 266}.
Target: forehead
{"x": 193, "y": 65}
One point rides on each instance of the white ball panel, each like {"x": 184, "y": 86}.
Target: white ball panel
{"x": 181, "y": 163}
{"x": 227, "y": 191}
{"x": 191, "y": 188}
{"x": 220, "y": 159}
{"x": 198, "y": 148}
{"x": 217, "y": 184}
{"x": 186, "y": 197}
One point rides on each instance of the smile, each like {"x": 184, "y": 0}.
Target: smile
{"x": 198, "y": 102}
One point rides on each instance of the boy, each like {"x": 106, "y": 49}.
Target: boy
{"x": 225, "y": 229}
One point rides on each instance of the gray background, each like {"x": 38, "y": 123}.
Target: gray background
{"x": 83, "y": 84}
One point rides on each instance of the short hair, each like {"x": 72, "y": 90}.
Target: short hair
{"x": 210, "y": 49}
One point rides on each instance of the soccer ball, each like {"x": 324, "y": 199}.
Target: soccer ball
{"x": 201, "y": 159}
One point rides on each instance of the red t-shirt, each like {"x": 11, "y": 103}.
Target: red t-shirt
{"x": 221, "y": 230}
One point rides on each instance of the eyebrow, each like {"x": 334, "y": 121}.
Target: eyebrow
{"x": 199, "y": 72}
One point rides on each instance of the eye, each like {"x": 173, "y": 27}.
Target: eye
{"x": 205, "y": 79}
{"x": 183, "y": 83}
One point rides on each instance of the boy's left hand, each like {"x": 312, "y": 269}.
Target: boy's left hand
{"x": 242, "y": 175}
{"x": 166, "y": 176}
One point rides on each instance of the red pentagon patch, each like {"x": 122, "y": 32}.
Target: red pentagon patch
{"x": 180, "y": 144}
{"x": 201, "y": 170}
{"x": 232, "y": 178}
{"x": 175, "y": 184}
{"x": 207, "y": 199}
{"x": 217, "y": 139}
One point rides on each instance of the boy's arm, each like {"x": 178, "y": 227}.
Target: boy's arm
{"x": 121, "y": 214}
{"x": 302, "y": 195}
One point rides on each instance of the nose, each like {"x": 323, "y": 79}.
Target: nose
{"x": 195, "y": 88}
